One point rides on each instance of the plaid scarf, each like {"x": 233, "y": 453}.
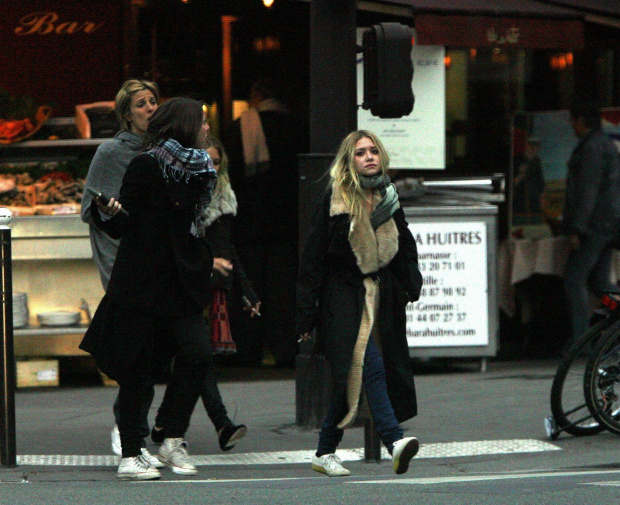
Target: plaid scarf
{"x": 185, "y": 165}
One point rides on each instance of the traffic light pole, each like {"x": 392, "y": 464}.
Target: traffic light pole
{"x": 333, "y": 115}
{"x": 333, "y": 83}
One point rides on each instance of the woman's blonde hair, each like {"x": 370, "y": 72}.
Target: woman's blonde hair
{"x": 123, "y": 98}
{"x": 223, "y": 179}
{"x": 343, "y": 173}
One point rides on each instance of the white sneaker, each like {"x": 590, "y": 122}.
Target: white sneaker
{"x": 404, "y": 449}
{"x": 173, "y": 452}
{"x": 330, "y": 465}
{"x": 116, "y": 441}
{"x": 152, "y": 460}
{"x": 137, "y": 468}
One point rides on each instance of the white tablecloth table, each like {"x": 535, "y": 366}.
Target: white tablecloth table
{"x": 519, "y": 259}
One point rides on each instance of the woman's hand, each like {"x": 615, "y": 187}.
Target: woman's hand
{"x": 222, "y": 265}
{"x": 255, "y": 310}
{"x": 304, "y": 337}
{"x": 111, "y": 209}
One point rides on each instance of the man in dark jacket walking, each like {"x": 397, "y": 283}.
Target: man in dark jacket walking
{"x": 592, "y": 213}
{"x": 262, "y": 148}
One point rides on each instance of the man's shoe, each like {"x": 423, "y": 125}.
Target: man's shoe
{"x": 228, "y": 435}
{"x": 173, "y": 452}
{"x": 151, "y": 460}
{"x": 137, "y": 468}
{"x": 402, "y": 452}
{"x": 115, "y": 437}
{"x": 330, "y": 465}
{"x": 157, "y": 436}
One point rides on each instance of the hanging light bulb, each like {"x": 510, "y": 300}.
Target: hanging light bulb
{"x": 267, "y": 3}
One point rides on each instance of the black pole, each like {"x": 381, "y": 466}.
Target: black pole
{"x": 333, "y": 73}
{"x": 8, "y": 454}
{"x": 333, "y": 114}
{"x": 372, "y": 441}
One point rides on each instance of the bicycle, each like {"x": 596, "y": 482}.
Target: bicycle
{"x": 570, "y": 412}
{"x": 602, "y": 379}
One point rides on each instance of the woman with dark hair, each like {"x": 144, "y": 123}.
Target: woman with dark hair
{"x": 160, "y": 283}
{"x": 358, "y": 271}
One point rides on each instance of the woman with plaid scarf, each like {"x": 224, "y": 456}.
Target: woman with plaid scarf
{"x": 161, "y": 281}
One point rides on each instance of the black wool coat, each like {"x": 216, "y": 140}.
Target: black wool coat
{"x": 330, "y": 297}
{"x": 219, "y": 237}
{"x": 161, "y": 268}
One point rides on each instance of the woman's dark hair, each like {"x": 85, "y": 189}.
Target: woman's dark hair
{"x": 179, "y": 119}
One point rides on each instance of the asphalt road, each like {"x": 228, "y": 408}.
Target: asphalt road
{"x": 482, "y": 437}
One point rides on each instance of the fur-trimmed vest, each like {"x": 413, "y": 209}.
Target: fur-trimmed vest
{"x": 223, "y": 202}
{"x": 373, "y": 250}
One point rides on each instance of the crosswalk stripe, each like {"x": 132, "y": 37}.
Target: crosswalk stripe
{"x": 437, "y": 450}
{"x": 488, "y": 477}
{"x": 613, "y": 483}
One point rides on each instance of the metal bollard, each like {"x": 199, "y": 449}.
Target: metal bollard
{"x": 8, "y": 453}
{"x": 372, "y": 442}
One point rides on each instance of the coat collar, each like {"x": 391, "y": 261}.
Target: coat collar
{"x": 222, "y": 202}
{"x": 373, "y": 249}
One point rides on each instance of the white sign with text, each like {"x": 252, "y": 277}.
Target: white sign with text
{"x": 453, "y": 309}
{"x": 416, "y": 141}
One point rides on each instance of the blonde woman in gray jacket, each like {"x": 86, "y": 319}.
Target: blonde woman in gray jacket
{"x": 136, "y": 102}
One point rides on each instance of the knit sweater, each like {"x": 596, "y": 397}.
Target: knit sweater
{"x": 106, "y": 173}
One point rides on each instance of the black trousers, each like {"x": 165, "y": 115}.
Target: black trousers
{"x": 208, "y": 392}
{"x": 193, "y": 363}
{"x": 272, "y": 268}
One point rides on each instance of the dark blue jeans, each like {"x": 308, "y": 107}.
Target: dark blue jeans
{"x": 587, "y": 267}
{"x": 192, "y": 363}
{"x": 378, "y": 401}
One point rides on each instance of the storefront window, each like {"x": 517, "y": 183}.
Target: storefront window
{"x": 485, "y": 86}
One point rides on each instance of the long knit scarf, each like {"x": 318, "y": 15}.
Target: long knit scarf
{"x": 186, "y": 165}
{"x": 389, "y": 198}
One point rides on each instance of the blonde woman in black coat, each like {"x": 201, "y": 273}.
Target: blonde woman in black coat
{"x": 357, "y": 274}
{"x": 161, "y": 281}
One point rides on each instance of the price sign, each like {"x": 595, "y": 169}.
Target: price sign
{"x": 453, "y": 306}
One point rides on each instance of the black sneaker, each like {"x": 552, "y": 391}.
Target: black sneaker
{"x": 157, "y": 436}
{"x": 228, "y": 435}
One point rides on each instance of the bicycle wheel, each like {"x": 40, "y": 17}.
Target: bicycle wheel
{"x": 602, "y": 381}
{"x": 568, "y": 405}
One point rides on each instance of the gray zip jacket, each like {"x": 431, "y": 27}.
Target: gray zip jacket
{"x": 106, "y": 174}
{"x": 593, "y": 187}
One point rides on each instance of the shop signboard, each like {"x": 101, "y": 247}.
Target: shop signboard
{"x": 453, "y": 309}
{"x": 61, "y": 53}
{"x": 416, "y": 141}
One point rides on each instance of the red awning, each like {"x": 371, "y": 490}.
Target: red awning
{"x": 545, "y": 24}
{"x": 498, "y": 31}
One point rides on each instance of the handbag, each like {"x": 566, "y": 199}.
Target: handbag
{"x": 221, "y": 337}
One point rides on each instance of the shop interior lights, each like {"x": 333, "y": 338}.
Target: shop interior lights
{"x": 560, "y": 61}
